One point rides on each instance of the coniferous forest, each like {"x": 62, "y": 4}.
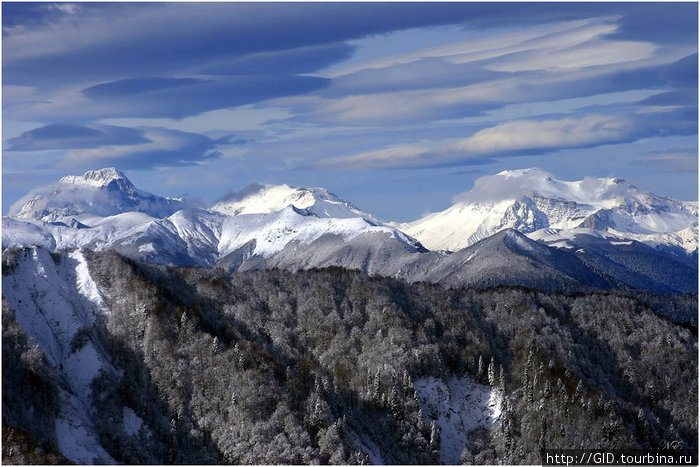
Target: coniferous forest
{"x": 327, "y": 365}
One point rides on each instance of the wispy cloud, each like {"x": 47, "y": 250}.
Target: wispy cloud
{"x": 672, "y": 162}
{"x": 554, "y": 63}
{"x": 542, "y": 135}
{"x": 161, "y": 97}
{"x": 507, "y": 139}
{"x": 68, "y": 136}
{"x": 162, "y": 148}
{"x": 347, "y": 85}
{"x": 682, "y": 159}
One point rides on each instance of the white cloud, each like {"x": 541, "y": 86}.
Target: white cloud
{"x": 542, "y": 63}
{"x": 404, "y": 156}
{"x": 494, "y": 45}
{"x": 547, "y": 134}
{"x": 510, "y": 138}
{"x": 445, "y": 103}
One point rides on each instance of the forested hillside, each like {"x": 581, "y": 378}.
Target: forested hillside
{"x": 332, "y": 366}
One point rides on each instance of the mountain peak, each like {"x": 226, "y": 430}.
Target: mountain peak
{"x": 98, "y": 178}
{"x": 102, "y": 192}
{"x": 528, "y": 172}
{"x": 258, "y": 199}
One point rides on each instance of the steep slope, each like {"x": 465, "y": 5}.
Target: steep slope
{"x": 638, "y": 265}
{"x": 510, "y": 258}
{"x": 529, "y": 200}
{"x": 57, "y": 303}
{"x": 103, "y": 192}
{"x": 458, "y": 406}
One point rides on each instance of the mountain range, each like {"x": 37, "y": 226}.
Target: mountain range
{"x": 284, "y": 325}
{"x": 518, "y": 227}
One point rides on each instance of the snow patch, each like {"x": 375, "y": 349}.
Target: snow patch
{"x": 146, "y": 248}
{"x": 81, "y": 367}
{"x": 562, "y": 244}
{"x": 371, "y": 449}
{"x": 75, "y": 435}
{"x": 274, "y": 231}
{"x": 457, "y": 406}
{"x": 264, "y": 199}
{"x": 53, "y": 300}
{"x": 98, "y": 178}
{"x": 131, "y": 423}
{"x": 86, "y": 286}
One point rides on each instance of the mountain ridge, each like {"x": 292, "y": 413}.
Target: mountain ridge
{"x": 530, "y": 200}
{"x": 263, "y": 226}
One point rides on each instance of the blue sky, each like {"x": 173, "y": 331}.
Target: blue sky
{"x": 396, "y": 107}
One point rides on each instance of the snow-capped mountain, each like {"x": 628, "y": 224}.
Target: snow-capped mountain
{"x": 261, "y": 199}
{"x": 102, "y": 209}
{"x": 103, "y": 192}
{"x": 530, "y": 200}
{"x": 593, "y": 233}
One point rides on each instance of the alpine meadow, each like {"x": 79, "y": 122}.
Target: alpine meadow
{"x": 350, "y": 233}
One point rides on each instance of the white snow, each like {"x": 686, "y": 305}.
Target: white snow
{"x": 273, "y": 231}
{"x": 271, "y": 216}
{"x": 86, "y": 286}
{"x": 562, "y": 244}
{"x": 263, "y": 199}
{"x": 16, "y": 232}
{"x": 103, "y": 192}
{"x": 43, "y": 303}
{"x": 81, "y": 368}
{"x": 457, "y": 406}
{"x": 52, "y": 302}
{"x": 75, "y": 436}
{"x": 146, "y": 248}
{"x": 621, "y": 243}
{"x": 525, "y": 244}
{"x": 98, "y": 178}
{"x": 529, "y": 200}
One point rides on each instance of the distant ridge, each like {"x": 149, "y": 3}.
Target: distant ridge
{"x": 521, "y": 227}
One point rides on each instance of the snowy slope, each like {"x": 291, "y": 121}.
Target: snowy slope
{"x": 21, "y": 232}
{"x": 529, "y": 200}
{"x": 257, "y": 199}
{"x": 53, "y": 301}
{"x": 458, "y": 405}
{"x": 272, "y": 232}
